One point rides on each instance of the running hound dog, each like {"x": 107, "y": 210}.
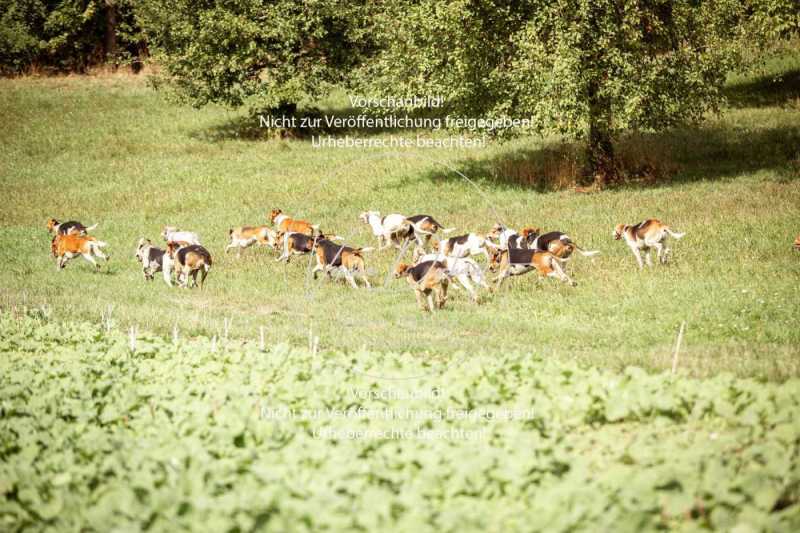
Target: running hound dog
{"x": 286, "y": 224}
{"x": 189, "y": 260}
{"x": 151, "y": 258}
{"x": 423, "y": 227}
{"x": 465, "y": 246}
{"x": 173, "y": 234}
{"x": 516, "y": 261}
{"x": 245, "y": 236}
{"x": 503, "y": 235}
{"x": 395, "y": 228}
{"x": 429, "y": 279}
{"x": 71, "y": 227}
{"x": 645, "y": 235}
{"x": 558, "y": 243}
{"x": 464, "y": 270}
{"x": 298, "y": 244}
{"x": 347, "y": 260}
{"x": 69, "y": 246}
{"x": 389, "y": 230}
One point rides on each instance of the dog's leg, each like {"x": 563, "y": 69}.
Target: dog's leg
{"x": 443, "y": 294}
{"x": 638, "y": 255}
{"x": 349, "y": 276}
{"x": 463, "y": 279}
{"x": 430, "y": 301}
{"x": 562, "y": 275}
{"x": 420, "y": 300}
{"x": 647, "y": 256}
{"x": 89, "y": 258}
{"x": 366, "y": 280}
{"x": 660, "y": 252}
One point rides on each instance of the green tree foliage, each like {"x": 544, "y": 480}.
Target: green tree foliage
{"x": 271, "y": 54}
{"x": 590, "y": 69}
{"x": 66, "y": 35}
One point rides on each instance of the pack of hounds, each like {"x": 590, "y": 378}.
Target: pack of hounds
{"x": 434, "y": 266}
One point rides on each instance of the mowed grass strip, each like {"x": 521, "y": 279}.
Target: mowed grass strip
{"x": 108, "y": 150}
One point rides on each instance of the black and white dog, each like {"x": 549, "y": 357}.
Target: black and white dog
{"x": 153, "y": 260}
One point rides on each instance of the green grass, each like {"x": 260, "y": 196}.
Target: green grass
{"x": 109, "y": 150}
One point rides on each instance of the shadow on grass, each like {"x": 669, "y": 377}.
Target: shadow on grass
{"x": 647, "y": 159}
{"x": 766, "y": 91}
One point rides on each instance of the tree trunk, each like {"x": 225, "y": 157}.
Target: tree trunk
{"x": 111, "y": 34}
{"x": 601, "y": 166}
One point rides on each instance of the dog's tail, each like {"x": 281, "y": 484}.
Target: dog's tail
{"x": 586, "y": 253}
{"x": 315, "y": 227}
{"x": 92, "y": 227}
{"x": 364, "y": 249}
{"x": 99, "y": 244}
{"x": 448, "y": 230}
{"x": 674, "y": 234}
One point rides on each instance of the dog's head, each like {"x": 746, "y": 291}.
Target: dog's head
{"x": 497, "y": 229}
{"x": 364, "y": 216}
{"x": 530, "y": 233}
{"x": 401, "y": 270}
{"x": 495, "y": 258}
{"x": 273, "y": 215}
{"x": 140, "y": 248}
{"x": 168, "y": 230}
{"x": 51, "y": 224}
{"x": 174, "y": 246}
{"x": 618, "y": 231}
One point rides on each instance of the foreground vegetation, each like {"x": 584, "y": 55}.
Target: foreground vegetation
{"x": 189, "y": 435}
{"x": 108, "y": 150}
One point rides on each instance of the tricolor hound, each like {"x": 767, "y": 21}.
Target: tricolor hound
{"x": 429, "y": 279}
{"x": 516, "y": 261}
{"x": 349, "y": 261}
{"x": 645, "y": 235}
{"x": 188, "y": 261}
{"x": 463, "y": 269}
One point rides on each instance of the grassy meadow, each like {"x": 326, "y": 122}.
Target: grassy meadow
{"x": 109, "y": 150}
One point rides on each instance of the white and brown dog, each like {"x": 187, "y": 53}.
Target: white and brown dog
{"x": 349, "y": 261}
{"x": 173, "y": 234}
{"x": 517, "y": 261}
{"x": 151, "y": 258}
{"x": 390, "y": 230}
{"x": 395, "y": 228}
{"x": 245, "y": 236}
{"x": 466, "y": 245}
{"x": 68, "y": 246}
{"x": 645, "y": 235}
{"x": 188, "y": 260}
{"x": 429, "y": 279}
{"x": 287, "y": 224}
{"x": 462, "y": 269}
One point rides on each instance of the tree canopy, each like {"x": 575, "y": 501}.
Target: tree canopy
{"x": 585, "y": 68}
{"x": 268, "y": 53}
